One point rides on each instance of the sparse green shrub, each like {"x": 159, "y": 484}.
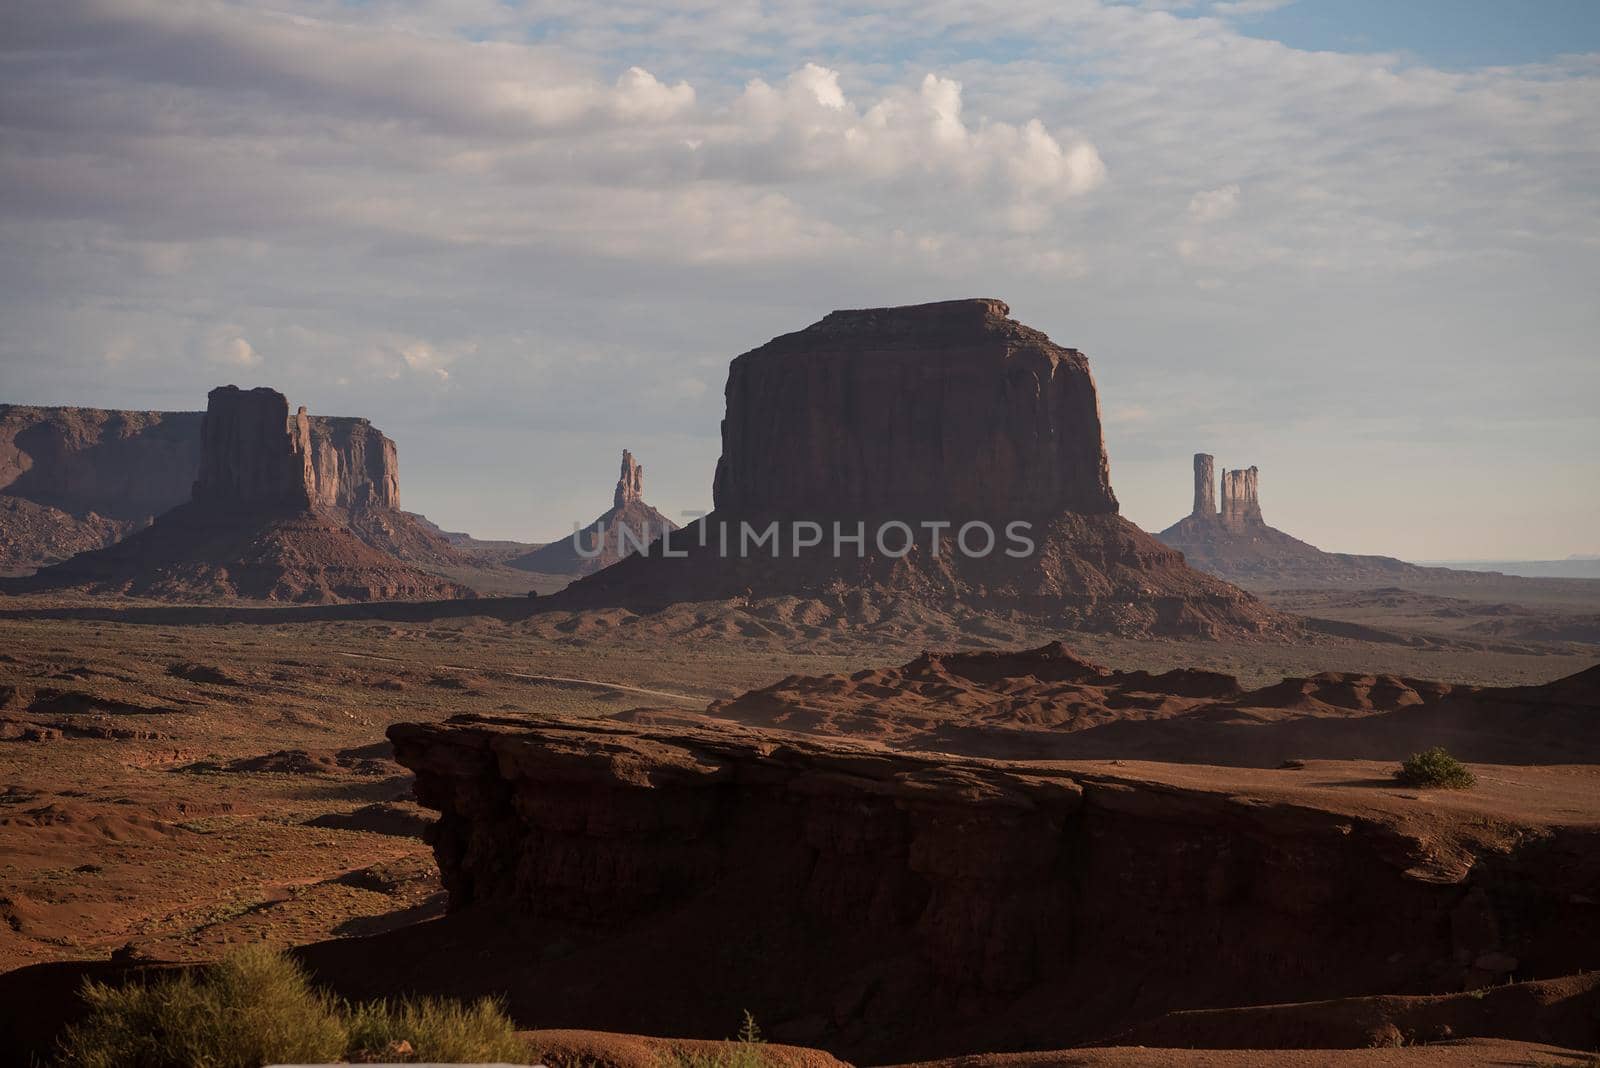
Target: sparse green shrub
{"x": 745, "y": 1052}
{"x": 255, "y": 1007}
{"x": 430, "y": 1029}
{"x": 1437, "y": 769}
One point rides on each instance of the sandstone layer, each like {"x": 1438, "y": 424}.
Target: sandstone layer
{"x": 880, "y": 903}
{"x": 255, "y": 528}
{"x": 105, "y": 473}
{"x": 629, "y": 526}
{"x": 945, "y": 418}
{"x": 934, "y": 411}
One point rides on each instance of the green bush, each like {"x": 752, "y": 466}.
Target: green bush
{"x": 1437, "y": 769}
{"x": 254, "y": 1008}
{"x": 430, "y": 1029}
{"x": 258, "y": 1007}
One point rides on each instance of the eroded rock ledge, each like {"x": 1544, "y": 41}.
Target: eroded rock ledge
{"x": 871, "y": 901}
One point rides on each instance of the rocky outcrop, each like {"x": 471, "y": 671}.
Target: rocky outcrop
{"x": 1205, "y": 485}
{"x": 935, "y": 411}
{"x": 888, "y": 904}
{"x": 255, "y": 528}
{"x": 1241, "y": 504}
{"x": 124, "y": 465}
{"x": 630, "y": 484}
{"x": 107, "y": 473}
{"x": 252, "y": 455}
{"x": 354, "y": 465}
{"x": 630, "y": 526}
{"x": 1235, "y": 542}
{"x": 938, "y": 458}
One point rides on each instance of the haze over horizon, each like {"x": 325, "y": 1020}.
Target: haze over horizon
{"x": 521, "y": 237}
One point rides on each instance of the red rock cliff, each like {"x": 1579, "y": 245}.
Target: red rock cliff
{"x": 927, "y": 411}
{"x": 251, "y": 454}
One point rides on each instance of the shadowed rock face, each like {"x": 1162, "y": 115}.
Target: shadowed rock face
{"x": 939, "y": 415}
{"x": 931, "y": 411}
{"x": 1205, "y": 485}
{"x": 256, "y": 526}
{"x": 101, "y": 474}
{"x": 888, "y": 905}
{"x": 251, "y": 454}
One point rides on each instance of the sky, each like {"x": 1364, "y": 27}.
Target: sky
{"x": 1352, "y": 242}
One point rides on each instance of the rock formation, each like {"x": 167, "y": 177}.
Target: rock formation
{"x": 630, "y": 484}
{"x": 257, "y": 525}
{"x": 1241, "y": 505}
{"x": 247, "y": 459}
{"x": 98, "y": 475}
{"x": 353, "y": 465}
{"x": 1235, "y": 542}
{"x": 935, "y": 411}
{"x": 629, "y": 527}
{"x": 954, "y": 422}
{"x": 893, "y": 905}
{"x": 1205, "y": 485}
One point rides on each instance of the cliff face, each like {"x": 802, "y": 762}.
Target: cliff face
{"x": 932, "y": 411}
{"x": 1205, "y": 485}
{"x": 251, "y": 454}
{"x": 903, "y": 905}
{"x": 354, "y": 466}
{"x": 106, "y": 473}
{"x": 1241, "y": 503}
{"x": 123, "y": 465}
{"x": 256, "y": 526}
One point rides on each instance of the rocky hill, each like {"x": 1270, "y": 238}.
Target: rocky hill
{"x": 941, "y": 454}
{"x": 264, "y": 521}
{"x": 628, "y": 527}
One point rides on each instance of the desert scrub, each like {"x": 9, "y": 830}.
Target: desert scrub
{"x": 1437, "y": 769}
{"x": 257, "y": 1006}
{"x": 432, "y": 1029}
{"x": 745, "y": 1052}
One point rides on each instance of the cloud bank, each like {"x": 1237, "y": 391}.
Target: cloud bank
{"x": 499, "y": 230}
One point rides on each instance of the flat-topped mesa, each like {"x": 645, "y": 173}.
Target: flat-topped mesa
{"x": 1241, "y": 504}
{"x": 1205, "y": 485}
{"x": 252, "y": 454}
{"x": 930, "y": 411}
{"x": 630, "y": 486}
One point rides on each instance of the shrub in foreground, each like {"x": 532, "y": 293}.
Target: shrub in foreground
{"x": 258, "y": 1007}
{"x": 1437, "y": 769}
{"x": 430, "y": 1029}
{"x": 255, "y": 1007}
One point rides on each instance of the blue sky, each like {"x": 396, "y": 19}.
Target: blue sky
{"x": 520, "y": 238}
{"x": 1451, "y": 34}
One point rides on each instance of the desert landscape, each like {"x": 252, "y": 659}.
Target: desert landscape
{"x": 361, "y": 702}
{"x": 892, "y": 804}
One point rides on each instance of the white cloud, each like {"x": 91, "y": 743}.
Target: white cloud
{"x": 237, "y": 352}
{"x": 1212, "y": 205}
{"x": 402, "y": 194}
{"x": 1248, "y": 7}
